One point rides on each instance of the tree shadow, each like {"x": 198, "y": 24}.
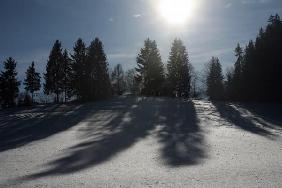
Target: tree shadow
{"x": 242, "y": 118}
{"x": 268, "y": 114}
{"x": 180, "y": 134}
{"x": 110, "y": 132}
{"x": 21, "y": 126}
{"x": 104, "y": 136}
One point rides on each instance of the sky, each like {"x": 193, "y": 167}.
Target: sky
{"x": 29, "y": 28}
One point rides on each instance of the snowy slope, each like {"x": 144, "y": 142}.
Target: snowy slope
{"x": 142, "y": 142}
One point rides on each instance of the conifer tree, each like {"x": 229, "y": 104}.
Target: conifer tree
{"x": 238, "y": 72}
{"x": 54, "y": 71}
{"x": 178, "y": 68}
{"x": 268, "y": 61}
{"x": 228, "y": 85}
{"x": 67, "y": 76}
{"x": 8, "y": 83}
{"x": 98, "y": 76}
{"x": 130, "y": 79}
{"x": 79, "y": 70}
{"x": 32, "y": 80}
{"x": 248, "y": 72}
{"x": 215, "y": 80}
{"x": 195, "y": 78}
{"x": 257, "y": 71}
{"x": 118, "y": 80}
{"x": 150, "y": 69}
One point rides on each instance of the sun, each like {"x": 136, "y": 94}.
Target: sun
{"x": 176, "y": 11}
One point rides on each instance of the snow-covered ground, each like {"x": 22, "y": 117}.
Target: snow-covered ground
{"x": 142, "y": 142}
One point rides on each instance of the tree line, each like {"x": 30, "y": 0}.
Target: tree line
{"x": 152, "y": 77}
{"x": 256, "y": 74}
{"x": 84, "y": 74}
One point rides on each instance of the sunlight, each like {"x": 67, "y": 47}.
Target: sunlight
{"x": 176, "y": 11}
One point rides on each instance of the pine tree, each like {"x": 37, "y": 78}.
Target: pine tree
{"x": 238, "y": 72}
{"x": 32, "y": 80}
{"x": 142, "y": 65}
{"x": 67, "y": 76}
{"x": 130, "y": 79}
{"x": 118, "y": 81}
{"x": 54, "y": 71}
{"x": 248, "y": 82}
{"x": 269, "y": 60}
{"x": 98, "y": 76}
{"x": 79, "y": 70}
{"x": 194, "y": 82}
{"x": 178, "y": 68}
{"x": 215, "y": 80}
{"x": 9, "y": 83}
{"x": 92, "y": 70}
{"x": 150, "y": 69}
{"x": 257, "y": 71}
{"x": 228, "y": 85}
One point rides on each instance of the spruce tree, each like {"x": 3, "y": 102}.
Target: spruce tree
{"x": 130, "y": 79}
{"x": 215, "y": 80}
{"x": 67, "y": 76}
{"x": 97, "y": 72}
{"x": 118, "y": 81}
{"x": 142, "y": 65}
{"x": 79, "y": 70}
{"x": 259, "y": 78}
{"x": 228, "y": 85}
{"x": 54, "y": 71}
{"x": 150, "y": 69}
{"x": 32, "y": 80}
{"x": 9, "y": 83}
{"x": 248, "y": 82}
{"x": 178, "y": 68}
{"x": 269, "y": 60}
{"x": 194, "y": 82}
{"x": 238, "y": 72}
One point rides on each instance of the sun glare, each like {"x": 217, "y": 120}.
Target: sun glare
{"x": 176, "y": 11}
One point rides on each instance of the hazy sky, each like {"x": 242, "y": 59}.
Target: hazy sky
{"x": 28, "y": 28}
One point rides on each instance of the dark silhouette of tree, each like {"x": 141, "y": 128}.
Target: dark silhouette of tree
{"x": 89, "y": 71}
{"x": 228, "y": 84}
{"x": 130, "y": 80}
{"x": 9, "y": 83}
{"x": 237, "y": 73}
{"x": 99, "y": 85}
{"x": 248, "y": 82}
{"x": 257, "y": 70}
{"x": 195, "y": 76}
{"x": 178, "y": 67}
{"x": 79, "y": 70}
{"x": 118, "y": 80}
{"x": 214, "y": 80}
{"x": 32, "y": 81}
{"x": 54, "y": 71}
{"x": 67, "y": 76}
{"x": 150, "y": 70}
{"x": 268, "y": 61}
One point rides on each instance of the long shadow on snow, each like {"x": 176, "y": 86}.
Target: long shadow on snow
{"x": 24, "y": 125}
{"x": 180, "y": 134}
{"x": 110, "y": 133}
{"x": 268, "y": 114}
{"x": 103, "y": 137}
{"x": 232, "y": 114}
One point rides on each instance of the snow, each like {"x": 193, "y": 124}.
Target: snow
{"x": 142, "y": 142}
